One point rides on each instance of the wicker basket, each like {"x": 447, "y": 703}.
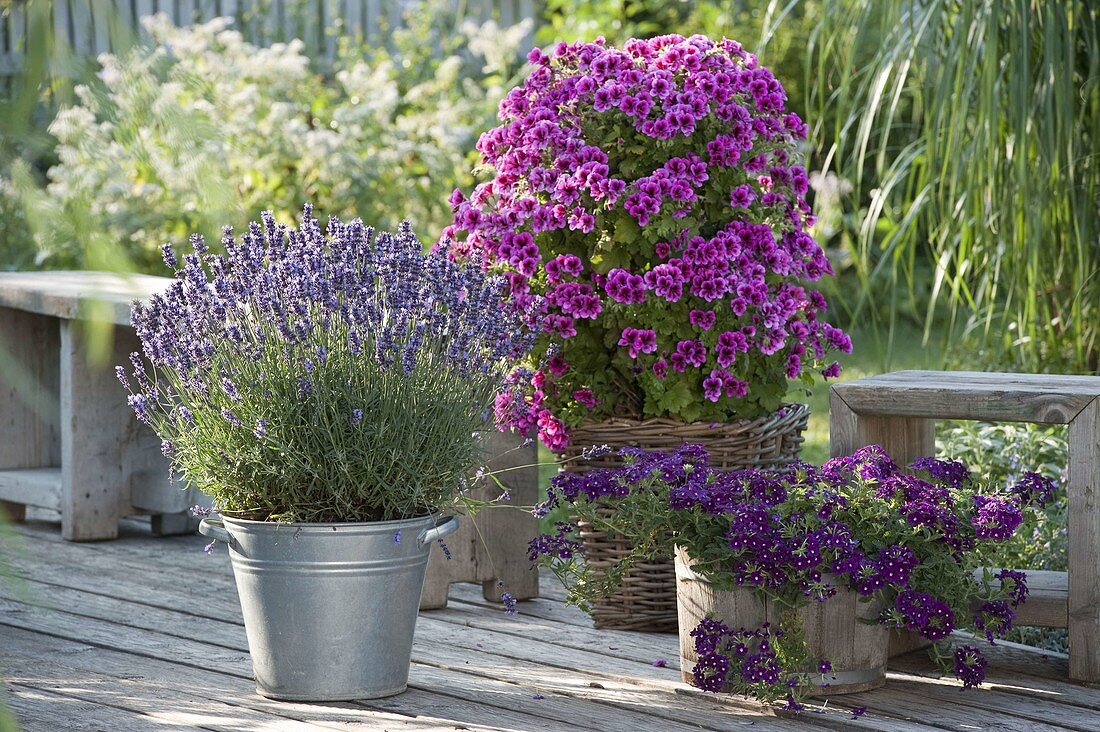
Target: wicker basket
{"x": 646, "y": 600}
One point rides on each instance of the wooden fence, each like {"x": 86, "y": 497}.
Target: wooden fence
{"x": 92, "y": 27}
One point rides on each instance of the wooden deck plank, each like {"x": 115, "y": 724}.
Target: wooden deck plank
{"x": 213, "y": 692}
{"x": 41, "y": 710}
{"x": 470, "y": 654}
{"x": 163, "y": 605}
{"x": 418, "y": 702}
{"x": 484, "y": 689}
{"x": 105, "y": 617}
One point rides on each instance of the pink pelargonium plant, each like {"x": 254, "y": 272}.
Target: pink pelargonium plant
{"x": 649, "y": 196}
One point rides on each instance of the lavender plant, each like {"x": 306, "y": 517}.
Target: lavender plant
{"x": 913, "y": 541}
{"x": 310, "y": 376}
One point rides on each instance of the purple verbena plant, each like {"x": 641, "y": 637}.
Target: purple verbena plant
{"x": 323, "y": 376}
{"x": 915, "y": 542}
{"x": 652, "y": 197}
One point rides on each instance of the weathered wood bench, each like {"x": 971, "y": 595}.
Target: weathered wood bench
{"x": 68, "y": 439}
{"x": 899, "y": 410}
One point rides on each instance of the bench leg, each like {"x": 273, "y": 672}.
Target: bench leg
{"x": 173, "y": 524}
{"x": 1083, "y": 493}
{"x": 29, "y": 429}
{"x": 904, "y": 439}
{"x": 94, "y": 421}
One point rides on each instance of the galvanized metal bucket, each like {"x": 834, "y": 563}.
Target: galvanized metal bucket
{"x": 329, "y": 609}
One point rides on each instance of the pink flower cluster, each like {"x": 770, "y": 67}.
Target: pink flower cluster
{"x": 649, "y": 196}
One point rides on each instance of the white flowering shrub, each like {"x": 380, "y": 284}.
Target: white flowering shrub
{"x": 203, "y": 128}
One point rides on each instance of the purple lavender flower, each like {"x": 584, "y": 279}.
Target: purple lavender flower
{"x": 509, "y": 603}
{"x": 169, "y": 256}
{"x": 397, "y": 537}
{"x": 231, "y": 417}
{"x": 595, "y": 451}
{"x": 142, "y": 407}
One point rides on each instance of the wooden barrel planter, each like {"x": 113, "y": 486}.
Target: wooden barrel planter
{"x": 858, "y": 651}
{"x": 646, "y": 600}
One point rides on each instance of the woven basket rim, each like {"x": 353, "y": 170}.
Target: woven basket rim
{"x": 793, "y": 409}
{"x": 647, "y": 598}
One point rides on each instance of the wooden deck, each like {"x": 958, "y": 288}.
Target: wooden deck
{"x": 145, "y": 633}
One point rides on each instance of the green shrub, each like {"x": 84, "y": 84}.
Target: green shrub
{"x": 203, "y": 128}
{"x": 998, "y": 454}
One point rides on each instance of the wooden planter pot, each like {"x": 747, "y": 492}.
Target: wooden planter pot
{"x": 857, "y": 651}
{"x": 646, "y": 599}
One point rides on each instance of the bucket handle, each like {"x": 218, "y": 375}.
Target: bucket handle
{"x": 215, "y": 529}
{"x": 438, "y": 532}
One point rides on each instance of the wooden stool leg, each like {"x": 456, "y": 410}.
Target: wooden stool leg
{"x": 1083, "y": 492}
{"x": 508, "y": 531}
{"x": 904, "y": 439}
{"x": 94, "y": 422}
{"x": 173, "y": 524}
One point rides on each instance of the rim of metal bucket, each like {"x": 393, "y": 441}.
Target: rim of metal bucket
{"x": 213, "y": 527}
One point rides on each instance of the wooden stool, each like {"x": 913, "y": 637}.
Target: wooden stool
{"x": 898, "y": 412}
{"x": 496, "y": 550}
{"x": 68, "y": 440}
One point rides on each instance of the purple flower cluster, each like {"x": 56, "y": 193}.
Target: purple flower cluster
{"x": 951, "y": 472}
{"x": 745, "y": 657}
{"x": 557, "y": 545}
{"x": 804, "y": 533}
{"x": 997, "y": 517}
{"x": 924, "y": 613}
{"x": 704, "y": 122}
{"x": 1034, "y": 489}
{"x": 970, "y": 666}
{"x": 994, "y": 618}
{"x": 1014, "y": 584}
